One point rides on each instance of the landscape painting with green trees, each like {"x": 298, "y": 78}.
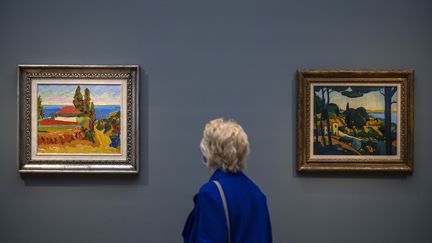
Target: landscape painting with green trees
{"x": 355, "y": 120}
{"x": 78, "y": 119}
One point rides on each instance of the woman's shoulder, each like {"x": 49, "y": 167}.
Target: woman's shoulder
{"x": 208, "y": 187}
{"x": 208, "y": 192}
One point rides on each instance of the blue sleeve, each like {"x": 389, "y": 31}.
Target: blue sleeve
{"x": 269, "y": 228}
{"x": 210, "y": 224}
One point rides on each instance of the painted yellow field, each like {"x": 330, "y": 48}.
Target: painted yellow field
{"x": 81, "y": 146}
{"x": 55, "y": 129}
{"x": 104, "y": 140}
{"x": 77, "y": 147}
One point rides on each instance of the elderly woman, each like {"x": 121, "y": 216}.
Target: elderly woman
{"x": 230, "y": 207}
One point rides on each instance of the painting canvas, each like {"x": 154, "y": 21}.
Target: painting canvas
{"x": 78, "y": 118}
{"x": 355, "y": 121}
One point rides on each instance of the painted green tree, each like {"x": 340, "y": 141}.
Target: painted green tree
{"x": 78, "y": 99}
{"x": 318, "y": 109}
{"x": 355, "y": 118}
{"x": 92, "y": 113}
{"x": 87, "y": 101}
{"x": 40, "y": 108}
{"x": 92, "y": 117}
{"x": 85, "y": 105}
{"x": 326, "y": 110}
{"x": 325, "y": 106}
{"x": 388, "y": 93}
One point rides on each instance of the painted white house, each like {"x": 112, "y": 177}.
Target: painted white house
{"x": 68, "y": 113}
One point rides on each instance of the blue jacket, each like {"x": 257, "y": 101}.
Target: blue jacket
{"x": 247, "y": 206}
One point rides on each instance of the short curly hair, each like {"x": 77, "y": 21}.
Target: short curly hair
{"x": 225, "y": 145}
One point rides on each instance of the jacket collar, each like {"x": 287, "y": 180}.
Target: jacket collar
{"x": 218, "y": 174}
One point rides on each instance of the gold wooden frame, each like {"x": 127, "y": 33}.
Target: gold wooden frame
{"x": 403, "y": 164}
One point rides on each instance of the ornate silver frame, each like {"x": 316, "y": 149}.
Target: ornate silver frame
{"x": 26, "y": 73}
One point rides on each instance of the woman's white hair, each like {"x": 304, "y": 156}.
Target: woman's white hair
{"x": 225, "y": 145}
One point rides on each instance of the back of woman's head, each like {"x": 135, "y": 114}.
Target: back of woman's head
{"x": 225, "y": 145}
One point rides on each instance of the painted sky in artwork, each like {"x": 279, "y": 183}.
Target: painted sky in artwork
{"x": 63, "y": 94}
{"x": 373, "y": 101}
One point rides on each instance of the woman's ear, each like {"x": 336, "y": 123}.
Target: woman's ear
{"x": 205, "y": 161}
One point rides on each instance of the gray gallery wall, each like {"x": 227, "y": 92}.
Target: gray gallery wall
{"x": 207, "y": 59}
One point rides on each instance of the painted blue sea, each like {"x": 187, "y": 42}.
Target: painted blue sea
{"x": 381, "y": 116}
{"x": 101, "y": 111}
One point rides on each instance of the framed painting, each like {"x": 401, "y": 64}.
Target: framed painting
{"x": 78, "y": 118}
{"x": 355, "y": 121}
